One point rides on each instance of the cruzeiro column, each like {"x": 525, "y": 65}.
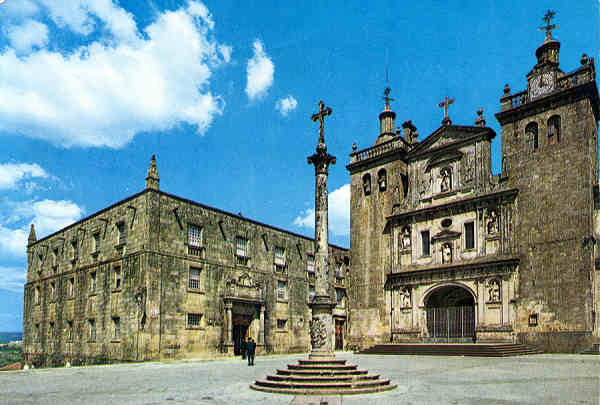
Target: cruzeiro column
{"x": 321, "y": 325}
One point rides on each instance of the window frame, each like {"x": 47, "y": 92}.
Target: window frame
{"x": 116, "y": 328}
{"x": 92, "y": 330}
{"x": 281, "y": 290}
{"x": 93, "y": 282}
{"x": 194, "y": 279}
{"x": 121, "y": 233}
{"x": 194, "y": 320}
{"x": 279, "y": 257}
{"x": 117, "y": 278}
{"x": 241, "y": 250}
{"x": 465, "y": 226}
{"x": 424, "y": 243}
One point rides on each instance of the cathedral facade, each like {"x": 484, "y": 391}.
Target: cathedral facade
{"x": 443, "y": 250}
{"x": 158, "y": 276}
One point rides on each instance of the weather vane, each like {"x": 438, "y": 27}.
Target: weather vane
{"x": 548, "y": 27}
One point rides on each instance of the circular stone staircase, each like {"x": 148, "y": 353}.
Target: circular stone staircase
{"x": 322, "y": 377}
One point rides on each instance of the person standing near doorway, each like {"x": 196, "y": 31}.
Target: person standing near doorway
{"x": 244, "y": 348}
{"x": 251, "y": 347}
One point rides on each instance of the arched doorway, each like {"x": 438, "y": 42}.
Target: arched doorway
{"x": 450, "y": 314}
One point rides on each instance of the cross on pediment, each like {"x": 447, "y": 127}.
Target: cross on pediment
{"x": 548, "y": 27}
{"x": 323, "y": 112}
{"x": 446, "y": 103}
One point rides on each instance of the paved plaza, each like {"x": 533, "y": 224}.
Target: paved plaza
{"x": 537, "y": 379}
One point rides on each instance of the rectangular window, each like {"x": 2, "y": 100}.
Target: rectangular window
{"x": 241, "y": 250}
{"x": 116, "y": 328}
{"x": 194, "y": 278}
{"x": 71, "y": 287}
{"x": 69, "y": 331}
{"x": 310, "y": 263}
{"x": 281, "y": 287}
{"x": 122, "y": 233}
{"x": 281, "y": 323}
{"x": 425, "y": 243}
{"x": 96, "y": 242}
{"x": 92, "y": 325}
{"x": 311, "y": 292}
{"x": 279, "y": 258}
{"x": 469, "y": 235}
{"x": 194, "y": 236}
{"x": 193, "y": 320}
{"x": 75, "y": 250}
{"x": 93, "y": 281}
{"x": 117, "y": 275}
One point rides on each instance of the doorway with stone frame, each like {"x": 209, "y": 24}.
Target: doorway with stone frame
{"x": 450, "y": 315}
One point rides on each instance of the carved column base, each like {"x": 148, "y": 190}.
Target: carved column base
{"x": 321, "y": 328}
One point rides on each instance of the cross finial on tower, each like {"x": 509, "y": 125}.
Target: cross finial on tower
{"x": 323, "y": 112}
{"x": 152, "y": 179}
{"x": 387, "y": 98}
{"x": 548, "y": 27}
{"x": 447, "y": 101}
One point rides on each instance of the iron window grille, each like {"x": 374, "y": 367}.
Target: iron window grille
{"x": 194, "y": 278}
{"x": 193, "y": 320}
{"x": 241, "y": 250}
{"x": 281, "y": 323}
{"x": 281, "y": 285}
{"x": 279, "y": 258}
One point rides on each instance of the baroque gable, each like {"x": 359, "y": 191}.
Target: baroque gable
{"x": 446, "y": 136}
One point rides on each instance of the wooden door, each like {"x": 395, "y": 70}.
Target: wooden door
{"x": 339, "y": 335}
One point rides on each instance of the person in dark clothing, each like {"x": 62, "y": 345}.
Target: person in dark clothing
{"x": 244, "y": 348}
{"x": 251, "y": 345}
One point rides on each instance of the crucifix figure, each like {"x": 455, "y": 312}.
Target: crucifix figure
{"x": 447, "y": 101}
{"x": 323, "y": 112}
{"x": 548, "y": 27}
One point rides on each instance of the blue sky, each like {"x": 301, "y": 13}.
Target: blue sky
{"x": 222, "y": 92}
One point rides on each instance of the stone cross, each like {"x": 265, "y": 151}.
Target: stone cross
{"x": 323, "y": 112}
{"x": 446, "y": 103}
{"x": 548, "y": 27}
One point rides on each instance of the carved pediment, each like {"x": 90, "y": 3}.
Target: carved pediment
{"x": 446, "y": 136}
{"x": 244, "y": 287}
{"x": 443, "y": 157}
{"x": 446, "y": 234}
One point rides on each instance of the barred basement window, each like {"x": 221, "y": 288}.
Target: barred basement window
{"x": 279, "y": 258}
{"x": 194, "y": 278}
{"x": 122, "y": 233}
{"x": 117, "y": 328}
{"x": 69, "y": 331}
{"x": 281, "y": 323}
{"x": 193, "y": 320}
{"x": 469, "y": 235}
{"x": 117, "y": 276}
{"x": 241, "y": 250}
{"x": 92, "y": 325}
{"x": 93, "y": 281}
{"x": 281, "y": 293}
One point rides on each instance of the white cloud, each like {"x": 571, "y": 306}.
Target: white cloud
{"x": 339, "y": 213}
{"x": 12, "y": 173}
{"x": 28, "y": 35}
{"x": 104, "y": 93}
{"x": 48, "y": 216}
{"x": 285, "y": 105}
{"x": 259, "y": 71}
{"x": 12, "y": 279}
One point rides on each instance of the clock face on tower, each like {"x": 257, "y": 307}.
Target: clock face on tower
{"x": 540, "y": 85}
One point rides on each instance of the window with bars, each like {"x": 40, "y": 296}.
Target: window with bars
{"x": 93, "y": 281}
{"x": 117, "y": 277}
{"x": 281, "y": 323}
{"x": 194, "y": 236}
{"x": 193, "y": 320}
{"x": 122, "y": 233}
{"x": 194, "y": 278}
{"x": 310, "y": 263}
{"x": 281, "y": 290}
{"x": 92, "y": 326}
{"x": 116, "y": 328}
{"x": 241, "y": 250}
{"x": 279, "y": 258}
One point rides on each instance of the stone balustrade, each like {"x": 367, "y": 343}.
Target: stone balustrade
{"x": 376, "y": 150}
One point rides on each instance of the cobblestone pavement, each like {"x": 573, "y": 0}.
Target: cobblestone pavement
{"x": 539, "y": 379}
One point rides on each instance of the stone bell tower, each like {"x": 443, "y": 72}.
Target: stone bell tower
{"x": 550, "y": 154}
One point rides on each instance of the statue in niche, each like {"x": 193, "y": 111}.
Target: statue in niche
{"x": 405, "y": 297}
{"x": 446, "y": 174}
{"x": 406, "y": 237}
{"x": 367, "y": 184}
{"x": 446, "y": 253}
{"x": 492, "y": 222}
{"x": 494, "y": 290}
{"x": 382, "y": 180}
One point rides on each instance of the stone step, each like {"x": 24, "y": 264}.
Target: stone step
{"x": 320, "y": 385}
{"x": 320, "y": 378}
{"x": 440, "y": 349}
{"x": 321, "y": 372}
{"x": 322, "y": 362}
{"x": 322, "y": 367}
{"x": 324, "y": 391}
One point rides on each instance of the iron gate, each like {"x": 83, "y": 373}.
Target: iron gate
{"x": 451, "y": 323}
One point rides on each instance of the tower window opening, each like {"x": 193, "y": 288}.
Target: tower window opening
{"x": 554, "y": 130}
{"x": 531, "y": 132}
